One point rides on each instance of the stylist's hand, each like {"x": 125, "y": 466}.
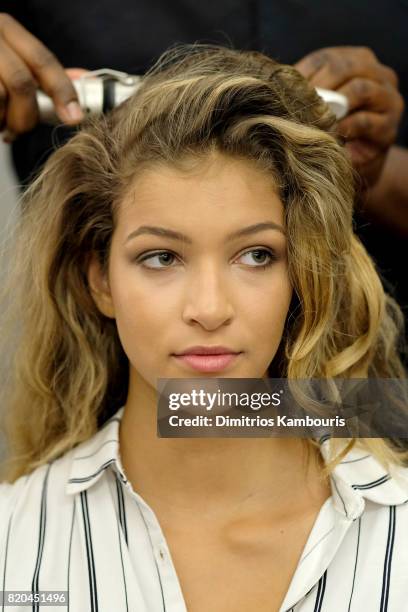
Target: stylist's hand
{"x": 376, "y": 105}
{"x": 26, "y": 65}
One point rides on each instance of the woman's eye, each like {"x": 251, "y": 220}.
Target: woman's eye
{"x": 164, "y": 259}
{"x": 257, "y": 258}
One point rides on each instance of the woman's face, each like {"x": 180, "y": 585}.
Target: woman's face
{"x": 198, "y": 259}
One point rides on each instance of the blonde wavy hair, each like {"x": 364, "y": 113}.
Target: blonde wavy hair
{"x": 69, "y": 371}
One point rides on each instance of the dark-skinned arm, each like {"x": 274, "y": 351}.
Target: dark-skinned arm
{"x": 370, "y": 129}
{"x": 387, "y": 201}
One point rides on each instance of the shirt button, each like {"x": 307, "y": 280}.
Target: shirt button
{"x": 161, "y": 553}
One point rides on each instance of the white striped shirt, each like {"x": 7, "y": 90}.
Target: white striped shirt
{"x": 77, "y": 525}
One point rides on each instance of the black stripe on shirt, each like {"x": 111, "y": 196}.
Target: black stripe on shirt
{"x": 120, "y": 475}
{"x": 121, "y": 509}
{"x": 387, "y": 561}
{"x": 89, "y": 552}
{"x": 41, "y": 537}
{"x": 355, "y": 563}
{"x": 121, "y": 529}
{"x": 320, "y": 593}
{"x": 86, "y": 478}
{"x": 70, "y": 546}
{"x": 98, "y": 471}
{"x": 355, "y": 460}
{"x": 374, "y": 483}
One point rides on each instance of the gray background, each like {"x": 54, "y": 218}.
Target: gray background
{"x": 8, "y": 208}
{"x": 8, "y": 190}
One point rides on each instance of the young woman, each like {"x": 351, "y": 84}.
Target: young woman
{"x": 210, "y": 213}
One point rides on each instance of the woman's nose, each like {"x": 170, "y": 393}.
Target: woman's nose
{"x": 206, "y": 299}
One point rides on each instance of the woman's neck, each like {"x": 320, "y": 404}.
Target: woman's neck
{"x": 214, "y": 475}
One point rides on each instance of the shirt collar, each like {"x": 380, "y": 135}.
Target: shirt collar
{"x": 360, "y": 477}
{"x": 357, "y": 478}
{"x": 91, "y": 458}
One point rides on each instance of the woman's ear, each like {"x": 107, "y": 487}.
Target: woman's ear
{"x": 99, "y": 287}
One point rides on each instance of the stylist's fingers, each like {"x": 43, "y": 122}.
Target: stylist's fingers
{"x": 21, "y": 113}
{"x": 376, "y": 106}
{"x": 374, "y": 127}
{"x": 363, "y": 153}
{"x": 25, "y": 65}
{"x": 331, "y": 67}
{"x": 361, "y": 92}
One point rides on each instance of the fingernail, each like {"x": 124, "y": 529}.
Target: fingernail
{"x": 73, "y": 112}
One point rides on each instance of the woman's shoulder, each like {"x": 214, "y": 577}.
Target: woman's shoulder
{"x": 50, "y": 486}
{"x": 24, "y": 497}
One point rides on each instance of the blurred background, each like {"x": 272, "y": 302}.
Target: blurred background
{"x": 8, "y": 206}
{"x": 8, "y": 188}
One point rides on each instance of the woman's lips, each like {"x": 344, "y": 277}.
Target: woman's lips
{"x": 208, "y": 363}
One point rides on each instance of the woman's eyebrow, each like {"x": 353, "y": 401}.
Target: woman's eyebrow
{"x": 172, "y": 234}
